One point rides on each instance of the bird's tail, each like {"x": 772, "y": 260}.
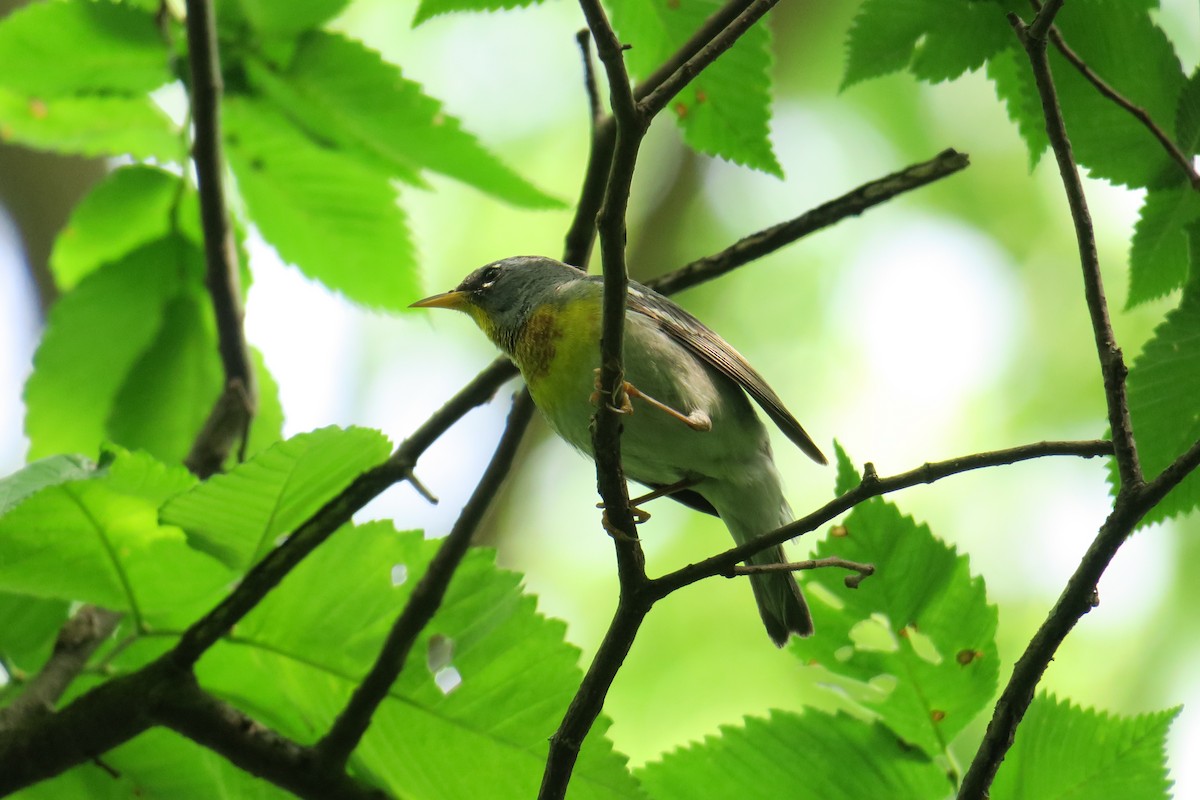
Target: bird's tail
{"x": 748, "y": 512}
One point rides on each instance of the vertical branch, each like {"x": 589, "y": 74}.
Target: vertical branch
{"x": 230, "y": 417}
{"x": 1112, "y": 363}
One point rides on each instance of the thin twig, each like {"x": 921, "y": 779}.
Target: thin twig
{"x": 348, "y": 729}
{"x": 1136, "y": 111}
{"x": 853, "y": 203}
{"x": 591, "y": 87}
{"x": 871, "y": 486}
{"x": 862, "y": 571}
{"x": 708, "y": 30}
{"x": 230, "y": 418}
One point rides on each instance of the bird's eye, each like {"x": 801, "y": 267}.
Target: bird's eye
{"x": 488, "y": 278}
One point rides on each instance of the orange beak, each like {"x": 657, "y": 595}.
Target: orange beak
{"x": 455, "y": 300}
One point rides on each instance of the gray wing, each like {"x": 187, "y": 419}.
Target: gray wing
{"x": 716, "y": 352}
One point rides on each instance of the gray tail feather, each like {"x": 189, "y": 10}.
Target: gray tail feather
{"x": 780, "y": 602}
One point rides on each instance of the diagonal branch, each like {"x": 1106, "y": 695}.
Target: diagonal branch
{"x": 230, "y": 418}
{"x": 768, "y": 240}
{"x": 871, "y": 486}
{"x": 348, "y": 729}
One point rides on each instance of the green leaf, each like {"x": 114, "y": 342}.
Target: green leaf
{"x": 937, "y": 39}
{"x": 40, "y": 474}
{"x": 131, "y": 207}
{"x": 238, "y": 516}
{"x": 1158, "y": 253}
{"x": 1187, "y": 116}
{"x": 171, "y": 389}
{"x": 726, "y": 110}
{"x": 920, "y": 654}
{"x": 428, "y": 9}
{"x": 287, "y": 20}
{"x": 296, "y": 657}
{"x": 96, "y": 334}
{"x": 79, "y": 47}
{"x": 1164, "y": 402}
{"x": 90, "y": 126}
{"x": 1121, "y": 43}
{"x": 331, "y": 216}
{"x": 98, "y": 540}
{"x": 30, "y": 627}
{"x": 1064, "y": 751}
{"x": 800, "y": 756}
{"x": 340, "y": 91}
{"x": 1009, "y": 71}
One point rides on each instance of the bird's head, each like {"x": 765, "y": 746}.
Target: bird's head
{"x": 500, "y": 296}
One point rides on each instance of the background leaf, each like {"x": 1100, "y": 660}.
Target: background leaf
{"x": 1064, "y": 751}
{"x": 90, "y": 126}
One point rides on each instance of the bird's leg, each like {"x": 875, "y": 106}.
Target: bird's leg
{"x": 661, "y": 491}
{"x": 697, "y": 420}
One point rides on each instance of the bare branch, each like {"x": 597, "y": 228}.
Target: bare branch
{"x": 1112, "y": 363}
{"x": 871, "y": 486}
{"x": 230, "y": 418}
{"x": 766, "y": 241}
{"x": 862, "y": 571}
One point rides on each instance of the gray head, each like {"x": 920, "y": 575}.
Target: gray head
{"x": 501, "y": 295}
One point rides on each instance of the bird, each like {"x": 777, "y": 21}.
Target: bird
{"x": 689, "y": 429}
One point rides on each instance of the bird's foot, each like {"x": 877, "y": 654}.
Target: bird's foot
{"x": 625, "y": 406}
{"x": 639, "y": 517}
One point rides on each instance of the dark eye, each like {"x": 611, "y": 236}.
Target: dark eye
{"x": 488, "y": 277}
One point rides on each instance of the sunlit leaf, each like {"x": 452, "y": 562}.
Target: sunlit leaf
{"x": 98, "y": 540}
{"x": 809, "y": 756}
{"x": 95, "y": 336}
{"x": 920, "y": 653}
{"x": 342, "y": 92}
{"x": 90, "y": 125}
{"x": 1164, "y": 401}
{"x": 1063, "y": 751}
{"x": 40, "y": 474}
{"x": 239, "y": 516}
{"x": 131, "y": 207}
{"x": 81, "y": 46}
{"x": 327, "y": 213}
{"x": 432, "y": 8}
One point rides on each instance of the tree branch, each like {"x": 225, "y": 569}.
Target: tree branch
{"x": 246, "y": 743}
{"x": 1136, "y": 111}
{"x": 77, "y": 640}
{"x": 1112, "y": 363}
{"x": 348, "y": 729}
{"x": 230, "y": 417}
{"x": 853, "y": 203}
{"x": 871, "y": 486}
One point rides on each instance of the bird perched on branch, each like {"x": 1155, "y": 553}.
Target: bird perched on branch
{"x": 689, "y": 430}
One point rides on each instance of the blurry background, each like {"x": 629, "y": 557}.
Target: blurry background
{"x": 945, "y": 322}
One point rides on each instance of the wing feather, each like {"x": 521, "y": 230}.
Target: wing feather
{"x": 719, "y": 354}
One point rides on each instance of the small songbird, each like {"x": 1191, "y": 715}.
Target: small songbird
{"x": 689, "y": 429}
